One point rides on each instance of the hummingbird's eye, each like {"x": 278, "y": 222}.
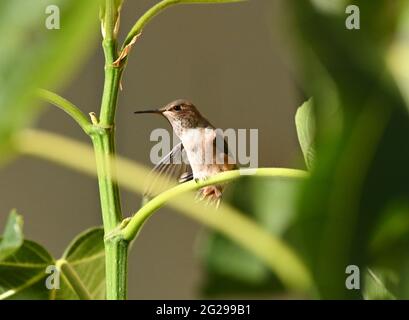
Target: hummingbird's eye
{"x": 177, "y": 108}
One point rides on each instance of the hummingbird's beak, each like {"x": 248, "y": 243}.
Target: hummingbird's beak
{"x": 149, "y": 111}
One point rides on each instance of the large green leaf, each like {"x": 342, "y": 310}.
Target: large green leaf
{"x": 34, "y": 56}
{"x": 230, "y": 269}
{"x": 26, "y": 269}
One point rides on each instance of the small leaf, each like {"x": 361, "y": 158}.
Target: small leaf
{"x": 23, "y": 272}
{"x": 305, "y": 124}
{"x": 13, "y": 235}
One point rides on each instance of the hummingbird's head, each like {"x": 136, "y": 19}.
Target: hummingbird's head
{"x": 181, "y": 114}
{"x": 181, "y": 111}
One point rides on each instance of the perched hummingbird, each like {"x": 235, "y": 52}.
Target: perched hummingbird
{"x": 200, "y": 144}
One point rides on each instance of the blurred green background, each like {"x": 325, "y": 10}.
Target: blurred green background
{"x": 246, "y": 65}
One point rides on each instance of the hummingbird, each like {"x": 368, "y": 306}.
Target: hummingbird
{"x": 201, "y": 144}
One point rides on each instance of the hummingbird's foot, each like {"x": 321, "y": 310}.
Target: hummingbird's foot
{"x": 212, "y": 195}
{"x": 199, "y": 196}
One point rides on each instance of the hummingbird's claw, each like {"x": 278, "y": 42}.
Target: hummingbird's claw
{"x": 211, "y": 194}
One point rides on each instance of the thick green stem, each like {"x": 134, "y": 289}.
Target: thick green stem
{"x": 111, "y": 85}
{"x": 103, "y": 138}
{"x": 115, "y": 249}
{"x": 159, "y": 7}
{"x": 116, "y": 255}
{"x": 108, "y": 188}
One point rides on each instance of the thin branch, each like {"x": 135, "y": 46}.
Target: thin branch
{"x": 66, "y": 106}
{"x": 270, "y": 249}
{"x": 133, "y": 225}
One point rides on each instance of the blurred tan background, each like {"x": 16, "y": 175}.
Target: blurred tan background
{"x": 231, "y": 61}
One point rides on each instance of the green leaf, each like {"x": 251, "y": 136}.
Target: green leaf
{"x": 13, "y": 235}
{"x": 22, "y": 274}
{"x": 304, "y": 121}
{"x": 34, "y": 56}
{"x": 376, "y": 285}
{"x": 391, "y": 235}
{"x": 28, "y": 267}
{"x": 85, "y": 257}
{"x": 229, "y": 269}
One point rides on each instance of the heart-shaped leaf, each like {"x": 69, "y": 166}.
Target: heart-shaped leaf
{"x": 22, "y": 274}
{"x": 28, "y": 271}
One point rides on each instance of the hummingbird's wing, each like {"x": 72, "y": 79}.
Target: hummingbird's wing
{"x": 173, "y": 166}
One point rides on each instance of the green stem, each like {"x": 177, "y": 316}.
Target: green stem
{"x": 73, "y": 279}
{"x": 116, "y": 255}
{"x": 133, "y": 226}
{"x": 66, "y": 106}
{"x": 109, "y": 19}
{"x": 108, "y": 187}
{"x": 115, "y": 251}
{"x": 103, "y": 138}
